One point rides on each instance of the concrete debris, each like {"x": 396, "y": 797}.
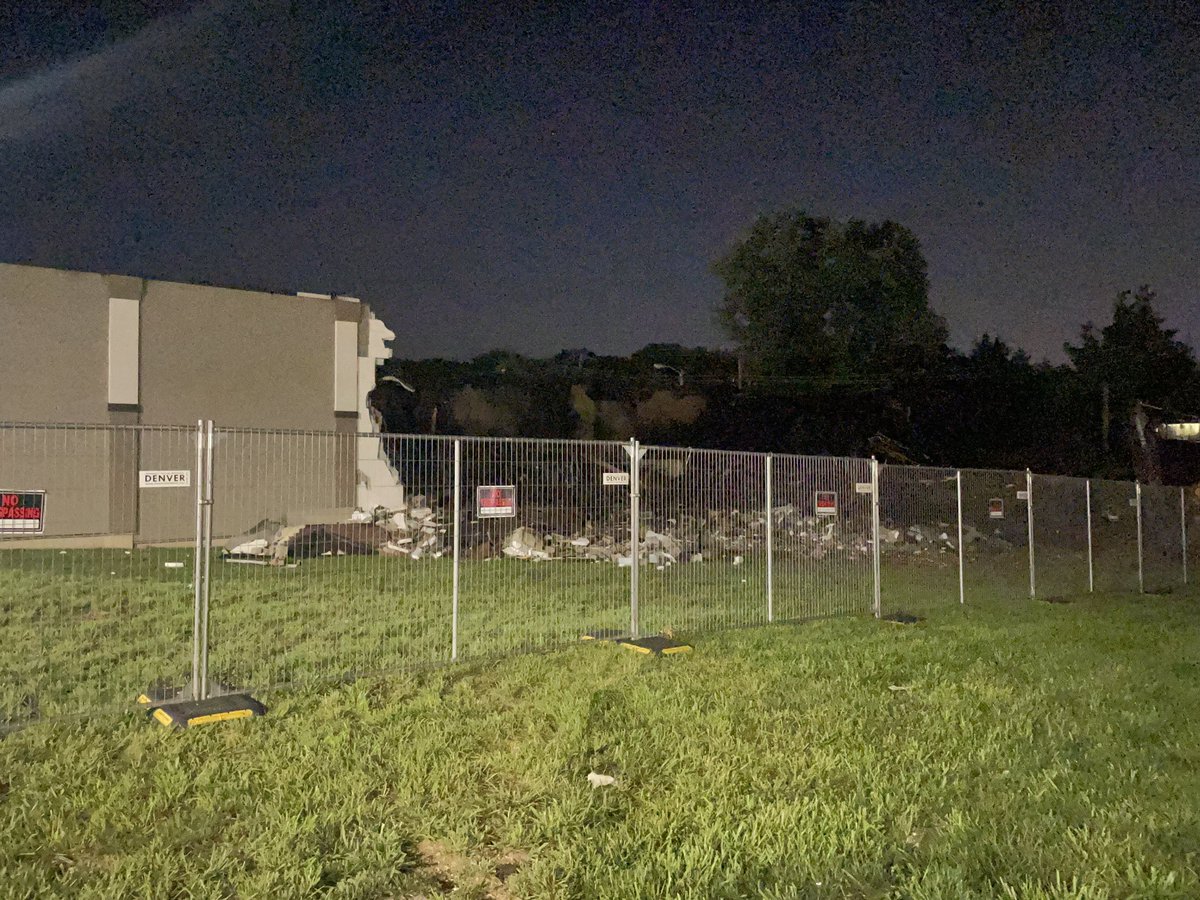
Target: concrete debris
{"x": 422, "y": 528}
{"x": 525, "y": 543}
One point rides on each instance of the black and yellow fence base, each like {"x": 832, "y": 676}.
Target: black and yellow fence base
{"x": 190, "y": 713}
{"x": 657, "y": 645}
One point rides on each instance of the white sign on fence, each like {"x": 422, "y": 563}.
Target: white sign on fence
{"x": 616, "y": 478}
{"x": 165, "y": 478}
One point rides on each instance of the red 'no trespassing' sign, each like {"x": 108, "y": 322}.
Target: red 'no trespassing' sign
{"x": 826, "y": 503}
{"x": 496, "y": 501}
{"x": 22, "y": 512}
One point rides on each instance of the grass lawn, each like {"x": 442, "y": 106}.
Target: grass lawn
{"x": 1011, "y": 749}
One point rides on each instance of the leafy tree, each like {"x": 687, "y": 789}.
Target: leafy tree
{"x": 1135, "y": 356}
{"x": 808, "y": 296}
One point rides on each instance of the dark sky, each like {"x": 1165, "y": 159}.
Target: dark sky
{"x": 539, "y": 180}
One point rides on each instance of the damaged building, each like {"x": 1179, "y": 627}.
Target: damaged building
{"x": 111, "y": 351}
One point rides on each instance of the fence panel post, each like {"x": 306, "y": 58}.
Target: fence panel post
{"x": 1137, "y": 485}
{"x": 878, "y": 594}
{"x": 198, "y": 561}
{"x": 1091, "y": 567}
{"x": 1029, "y": 519}
{"x": 635, "y": 522}
{"x": 770, "y": 547}
{"x": 206, "y": 548}
{"x": 1183, "y": 532}
{"x": 457, "y": 538}
{"x": 962, "y": 594}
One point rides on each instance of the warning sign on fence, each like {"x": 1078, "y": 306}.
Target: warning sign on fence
{"x": 826, "y": 503}
{"x": 996, "y": 508}
{"x": 496, "y": 501}
{"x": 22, "y": 512}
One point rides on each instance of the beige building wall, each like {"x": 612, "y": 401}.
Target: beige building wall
{"x": 118, "y": 351}
{"x": 240, "y": 358}
{"x": 54, "y": 326}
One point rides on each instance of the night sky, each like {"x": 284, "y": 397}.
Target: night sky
{"x": 539, "y": 180}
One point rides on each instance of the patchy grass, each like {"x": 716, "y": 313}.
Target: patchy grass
{"x": 88, "y": 630}
{"x": 1011, "y": 749}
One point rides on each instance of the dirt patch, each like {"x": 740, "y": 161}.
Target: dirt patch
{"x": 453, "y": 870}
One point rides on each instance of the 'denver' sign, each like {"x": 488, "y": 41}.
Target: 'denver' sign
{"x": 22, "y": 512}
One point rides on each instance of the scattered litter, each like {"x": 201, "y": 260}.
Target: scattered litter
{"x": 595, "y": 779}
{"x": 899, "y": 687}
{"x": 172, "y": 565}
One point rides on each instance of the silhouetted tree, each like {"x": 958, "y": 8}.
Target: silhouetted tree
{"x": 1135, "y": 356}
{"x": 808, "y": 296}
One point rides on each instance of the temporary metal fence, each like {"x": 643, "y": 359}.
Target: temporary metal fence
{"x": 204, "y": 559}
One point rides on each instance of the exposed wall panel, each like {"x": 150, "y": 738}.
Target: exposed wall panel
{"x": 123, "y": 324}
{"x": 345, "y": 367}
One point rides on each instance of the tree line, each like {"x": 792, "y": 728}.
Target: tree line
{"x": 835, "y": 349}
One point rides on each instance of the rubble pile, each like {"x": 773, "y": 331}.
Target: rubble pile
{"x": 419, "y": 530}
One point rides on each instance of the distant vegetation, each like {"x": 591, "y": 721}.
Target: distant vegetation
{"x": 835, "y": 349}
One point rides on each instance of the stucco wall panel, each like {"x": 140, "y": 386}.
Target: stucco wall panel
{"x": 241, "y": 358}
{"x": 55, "y": 336}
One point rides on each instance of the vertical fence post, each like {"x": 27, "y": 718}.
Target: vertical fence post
{"x": 1029, "y": 520}
{"x": 770, "y": 547}
{"x": 198, "y": 561}
{"x": 207, "y": 548}
{"x": 1183, "y": 532}
{"x": 1137, "y": 485}
{"x": 878, "y": 594}
{"x": 1091, "y": 568}
{"x": 962, "y": 594}
{"x": 457, "y": 537}
{"x": 635, "y": 517}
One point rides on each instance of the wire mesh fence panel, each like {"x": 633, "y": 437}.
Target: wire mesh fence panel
{"x": 1162, "y": 539}
{"x": 1114, "y": 535}
{"x": 702, "y": 540}
{"x": 1060, "y": 535}
{"x": 822, "y": 538}
{"x": 332, "y": 556}
{"x": 995, "y": 535}
{"x": 96, "y": 591}
{"x": 544, "y": 543}
{"x": 918, "y": 531}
